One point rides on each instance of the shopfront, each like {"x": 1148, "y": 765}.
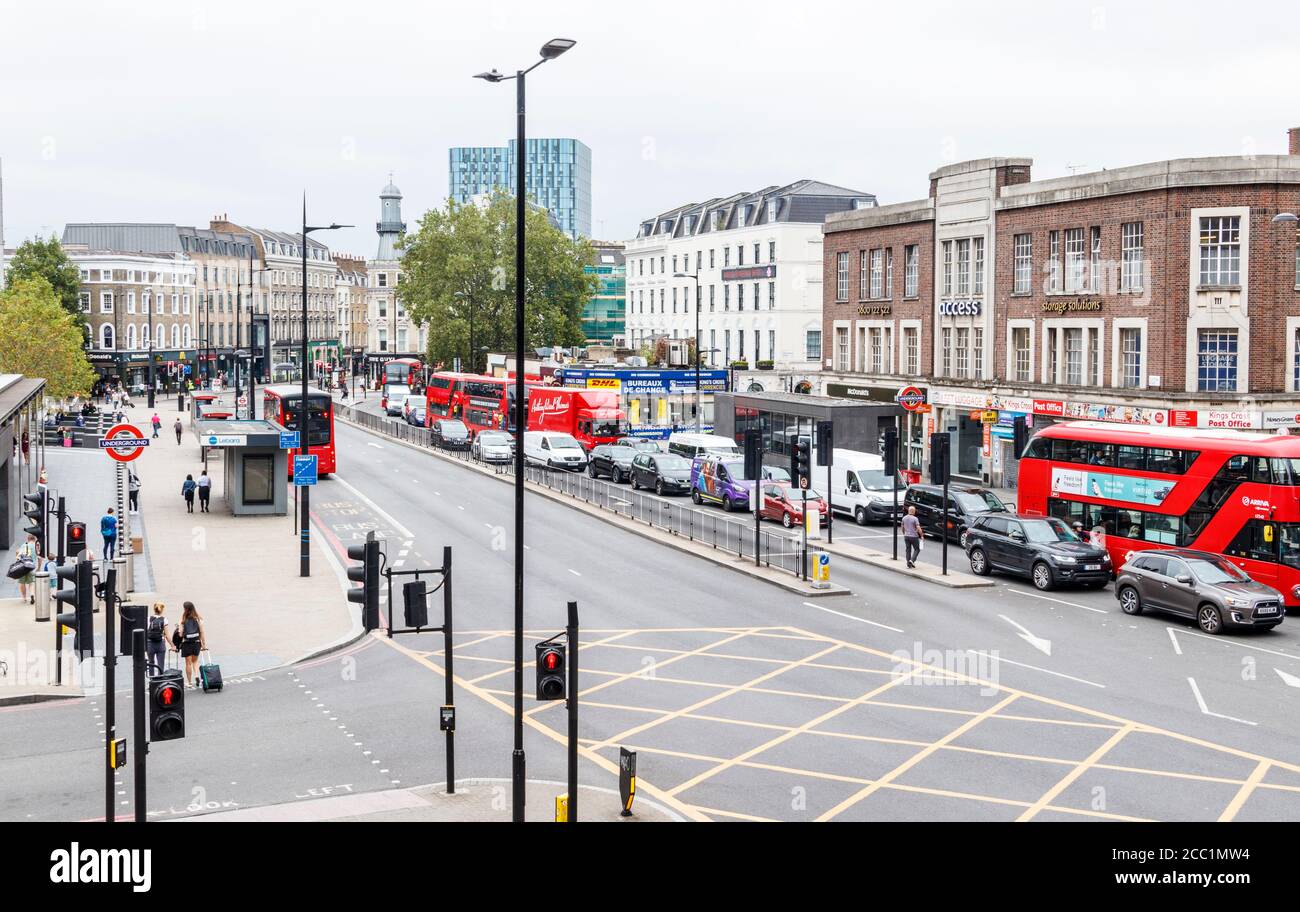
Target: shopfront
{"x": 655, "y": 402}
{"x": 131, "y": 368}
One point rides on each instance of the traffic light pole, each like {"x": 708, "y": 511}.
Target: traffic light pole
{"x": 946, "y": 525}
{"x": 141, "y": 742}
{"x": 571, "y": 634}
{"x": 58, "y": 628}
{"x": 803, "y": 558}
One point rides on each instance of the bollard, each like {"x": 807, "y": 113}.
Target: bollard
{"x": 128, "y": 580}
{"x": 42, "y": 595}
{"x": 119, "y": 565}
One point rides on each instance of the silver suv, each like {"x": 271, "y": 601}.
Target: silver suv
{"x": 1200, "y": 585}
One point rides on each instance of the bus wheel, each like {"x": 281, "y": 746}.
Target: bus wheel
{"x": 1042, "y": 576}
{"x": 1129, "y": 601}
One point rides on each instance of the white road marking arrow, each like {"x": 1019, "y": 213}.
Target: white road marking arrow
{"x": 1042, "y": 645}
{"x": 1289, "y": 679}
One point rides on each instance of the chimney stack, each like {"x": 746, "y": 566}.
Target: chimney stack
{"x": 1293, "y": 144}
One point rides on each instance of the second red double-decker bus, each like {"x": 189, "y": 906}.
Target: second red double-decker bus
{"x": 281, "y": 403}
{"x": 404, "y": 372}
{"x": 482, "y": 402}
{"x": 1233, "y": 493}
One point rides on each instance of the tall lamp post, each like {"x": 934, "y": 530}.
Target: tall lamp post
{"x": 696, "y": 278}
{"x": 252, "y": 335}
{"x": 304, "y": 544}
{"x": 552, "y": 49}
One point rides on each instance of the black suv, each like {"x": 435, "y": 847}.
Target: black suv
{"x": 964, "y": 504}
{"x": 450, "y": 434}
{"x": 1040, "y": 547}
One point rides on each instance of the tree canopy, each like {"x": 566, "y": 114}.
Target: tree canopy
{"x": 458, "y": 269}
{"x": 48, "y": 260}
{"x": 39, "y": 338}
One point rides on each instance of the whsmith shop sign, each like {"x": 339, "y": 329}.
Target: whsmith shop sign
{"x": 632, "y": 382}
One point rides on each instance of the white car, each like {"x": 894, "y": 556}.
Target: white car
{"x": 553, "y": 450}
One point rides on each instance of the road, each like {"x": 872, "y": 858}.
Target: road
{"x": 743, "y": 700}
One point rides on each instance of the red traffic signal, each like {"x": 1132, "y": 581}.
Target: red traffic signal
{"x": 166, "y": 706}
{"x": 550, "y": 671}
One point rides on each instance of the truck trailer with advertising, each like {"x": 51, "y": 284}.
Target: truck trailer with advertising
{"x": 591, "y": 416}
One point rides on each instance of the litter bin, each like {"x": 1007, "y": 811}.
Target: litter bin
{"x": 42, "y": 595}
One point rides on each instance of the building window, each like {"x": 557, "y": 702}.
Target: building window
{"x": 862, "y": 275}
{"x": 1130, "y": 357}
{"x": 877, "y": 352}
{"x": 383, "y": 279}
{"x": 912, "y": 345}
{"x": 1024, "y": 264}
{"x": 85, "y": 302}
{"x": 841, "y": 348}
{"x": 1074, "y": 269}
{"x": 963, "y": 351}
{"x": 1020, "y": 347}
{"x": 1130, "y": 278}
{"x": 106, "y": 305}
{"x": 813, "y": 345}
{"x": 1074, "y": 357}
{"x": 1054, "y": 262}
{"x": 977, "y": 352}
{"x": 979, "y": 266}
{"x": 757, "y": 260}
{"x": 1221, "y": 250}
{"x": 947, "y": 269}
{"x": 726, "y": 297}
{"x": 1094, "y": 356}
{"x": 1053, "y": 357}
{"x": 963, "y": 267}
{"x": 726, "y": 346}
{"x": 712, "y": 260}
{"x": 889, "y": 272}
{"x": 842, "y": 277}
{"x": 911, "y": 271}
{"x": 1095, "y": 283}
{"x": 740, "y": 297}
{"x": 947, "y": 351}
{"x": 1216, "y": 365}
{"x": 877, "y": 272}
{"x": 712, "y": 297}
{"x": 726, "y": 257}
{"x": 771, "y": 246}
{"x": 771, "y": 295}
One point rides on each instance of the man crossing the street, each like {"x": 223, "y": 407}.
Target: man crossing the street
{"x": 912, "y": 536}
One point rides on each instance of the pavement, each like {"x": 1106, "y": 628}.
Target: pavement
{"x": 242, "y": 573}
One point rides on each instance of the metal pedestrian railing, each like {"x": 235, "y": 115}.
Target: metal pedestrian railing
{"x": 721, "y": 531}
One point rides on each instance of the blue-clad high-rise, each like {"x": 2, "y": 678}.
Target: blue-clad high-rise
{"x": 557, "y": 175}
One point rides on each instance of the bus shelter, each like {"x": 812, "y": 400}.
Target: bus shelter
{"x": 255, "y": 469}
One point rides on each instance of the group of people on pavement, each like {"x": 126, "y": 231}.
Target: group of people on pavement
{"x": 188, "y": 638}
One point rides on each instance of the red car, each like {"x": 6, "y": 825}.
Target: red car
{"x": 784, "y": 502}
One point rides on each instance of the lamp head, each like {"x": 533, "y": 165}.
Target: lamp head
{"x": 491, "y": 75}
{"x": 1286, "y": 218}
{"x": 555, "y": 47}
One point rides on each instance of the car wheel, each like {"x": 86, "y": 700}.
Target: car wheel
{"x": 1129, "y": 601}
{"x": 726, "y": 503}
{"x": 616, "y": 476}
{"x": 659, "y": 487}
{"x": 1209, "y": 619}
{"x": 636, "y": 485}
{"x": 695, "y": 498}
{"x": 591, "y": 470}
{"x": 1042, "y": 577}
{"x": 979, "y": 564}
{"x": 786, "y": 520}
{"x": 860, "y": 516}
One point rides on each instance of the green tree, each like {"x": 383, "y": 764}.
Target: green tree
{"x": 48, "y": 260}
{"x": 458, "y": 278}
{"x": 39, "y": 338}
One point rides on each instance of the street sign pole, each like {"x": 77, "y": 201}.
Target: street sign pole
{"x": 110, "y": 692}
{"x": 141, "y": 742}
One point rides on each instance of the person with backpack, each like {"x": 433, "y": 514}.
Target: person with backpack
{"x": 187, "y": 491}
{"x": 108, "y": 529}
{"x": 179, "y": 429}
{"x": 28, "y": 554}
{"x": 205, "y": 491}
{"x": 155, "y": 638}
{"x": 193, "y": 641}
{"x": 133, "y": 490}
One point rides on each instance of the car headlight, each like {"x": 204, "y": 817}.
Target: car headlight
{"x": 1234, "y": 602}
{"x": 1064, "y": 559}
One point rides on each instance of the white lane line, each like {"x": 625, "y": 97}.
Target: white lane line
{"x": 1042, "y": 645}
{"x": 574, "y": 572}
{"x": 375, "y": 445}
{"x": 1226, "y": 642}
{"x": 996, "y": 658}
{"x": 852, "y": 617}
{"x": 459, "y": 507}
{"x": 528, "y": 547}
{"x": 1200, "y": 701}
{"x": 1178, "y": 649}
{"x": 407, "y": 533}
{"x": 437, "y": 493}
{"x": 1048, "y": 598}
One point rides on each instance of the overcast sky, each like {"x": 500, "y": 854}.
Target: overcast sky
{"x": 175, "y": 110}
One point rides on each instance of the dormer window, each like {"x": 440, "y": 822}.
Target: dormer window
{"x": 771, "y": 210}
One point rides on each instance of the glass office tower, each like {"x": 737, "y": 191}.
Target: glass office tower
{"x": 557, "y": 175}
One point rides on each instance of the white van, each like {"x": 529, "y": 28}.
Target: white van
{"x": 688, "y": 446}
{"x": 395, "y": 397}
{"x": 554, "y": 450}
{"x": 860, "y": 488}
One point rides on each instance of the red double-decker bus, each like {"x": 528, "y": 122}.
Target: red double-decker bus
{"x": 281, "y": 403}
{"x": 482, "y": 402}
{"x": 404, "y": 372}
{"x": 1233, "y": 493}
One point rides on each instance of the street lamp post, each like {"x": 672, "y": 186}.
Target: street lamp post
{"x": 304, "y": 545}
{"x": 552, "y": 49}
{"x": 696, "y": 278}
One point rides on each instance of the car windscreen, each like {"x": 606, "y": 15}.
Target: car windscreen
{"x": 735, "y": 469}
{"x": 490, "y": 438}
{"x": 563, "y": 442}
{"x": 648, "y": 446}
{"x": 775, "y": 473}
{"x": 673, "y": 464}
{"x": 453, "y": 429}
{"x": 873, "y": 480}
{"x": 983, "y": 502}
{"x": 1048, "y": 530}
{"x": 1213, "y": 570}
{"x": 620, "y": 452}
{"x": 796, "y": 496}
{"x": 606, "y": 427}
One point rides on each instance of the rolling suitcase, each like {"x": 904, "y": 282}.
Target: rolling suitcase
{"x": 209, "y": 674}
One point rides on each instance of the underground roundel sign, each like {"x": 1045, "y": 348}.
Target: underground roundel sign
{"x": 910, "y": 398}
{"x": 123, "y": 442}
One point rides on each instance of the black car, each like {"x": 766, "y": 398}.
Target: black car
{"x": 666, "y": 473}
{"x": 640, "y": 444}
{"x": 612, "y": 460}
{"x": 964, "y": 504}
{"x": 1042, "y": 548}
{"x": 450, "y": 434}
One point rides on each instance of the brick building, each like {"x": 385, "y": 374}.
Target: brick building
{"x": 1155, "y": 294}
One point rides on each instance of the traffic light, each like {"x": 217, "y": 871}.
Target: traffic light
{"x": 414, "y": 601}
{"x": 132, "y": 619}
{"x": 889, "y": 452}
{"x": 550, "y": 671}
{"x": 76, "y": 539}
{"x": 367, "y": 574}
{"x": 34, "y": 507}
{"x": 939, "y": 458}
{"x": 166, "y": 706}
{"x": 753, "y": 454}
{"x": 1020, "y": 434}
{"x": 800, "y": 464}
{"x": 80, "y": 598}
{"x": 825, "y": 442}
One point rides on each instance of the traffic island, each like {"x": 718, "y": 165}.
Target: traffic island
{"x": 955, "y": 579}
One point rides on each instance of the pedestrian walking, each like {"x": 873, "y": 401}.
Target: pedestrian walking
{"x": 155, "y": 640}
{"x": 133, "y": 490}
{"x": 43, "y": 482}
{"x": 157, "y": 424}
{"x": 179, "y": 429}
{"x": 193, "y": 641}
{"x": 108, "y": 529}
{"x": 205, "y": 491}
{"x": 187, "y": 491}
{"x": 29, "y": 555}
{"x": 912, "y": 536}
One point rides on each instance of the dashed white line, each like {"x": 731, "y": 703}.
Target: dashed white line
{"x": 1178, "y": 649}
{"x": 576, "y": 573}
{"x": 996, "y": 658}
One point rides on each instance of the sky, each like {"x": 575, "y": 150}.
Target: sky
{"x": 176, "y": 111}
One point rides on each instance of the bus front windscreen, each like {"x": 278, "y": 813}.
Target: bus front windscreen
{"x": 318, "y": 419}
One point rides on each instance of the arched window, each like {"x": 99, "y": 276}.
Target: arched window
{"x": 106, "y": 336}
{"x": 130, "y": 336}
{"x": 144, "y": 303}
{"x": 159, "y": 335}
{"x": 176, "y": 336}
{"x": 144, "y": 335}
{"x": 189, "y": 339}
